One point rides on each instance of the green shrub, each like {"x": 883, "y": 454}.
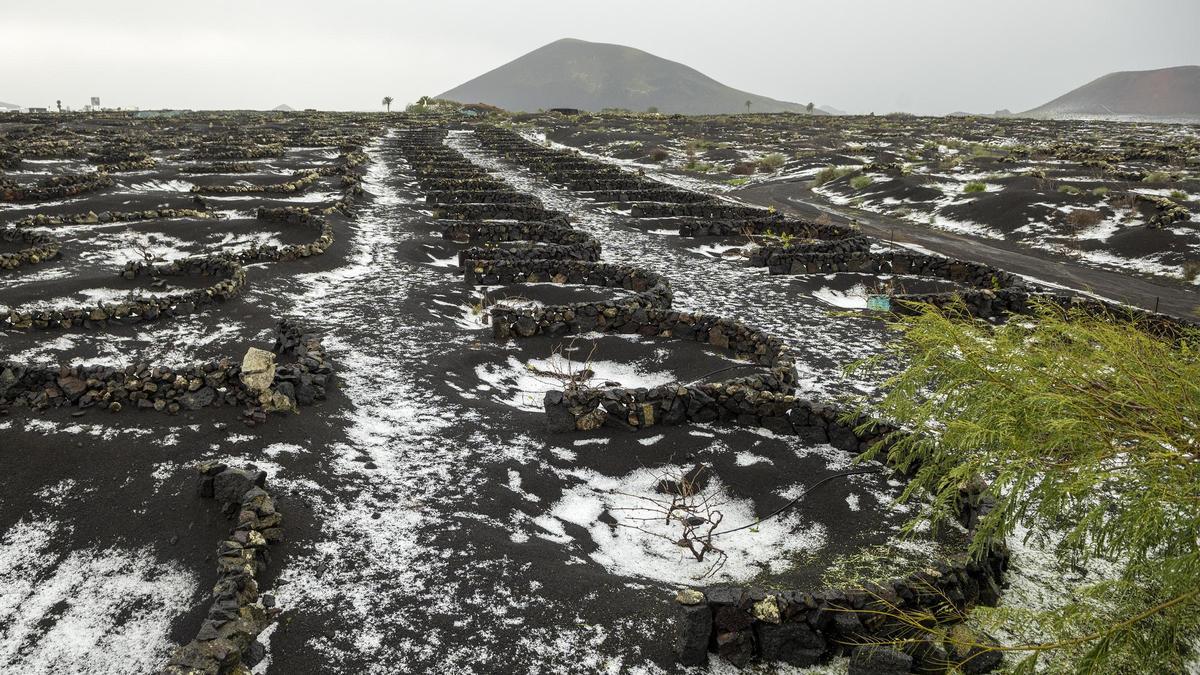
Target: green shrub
{"x": 831, "y": 173}
{"x": 659, "y": 155}
{"x": 974, "y": 186}
{"x": 978, "y": 150}
{"x": 772, "y": 162}
{"x": 1070, "y": 190}
{"x": 695, "y": 145}
{"x": 1083, "y": 426}
{"x": 1157, "y": 177}
{"x": 1100, "y": 191}
{"x": 1179, "y": 195}
{"x": 860, "y": 182}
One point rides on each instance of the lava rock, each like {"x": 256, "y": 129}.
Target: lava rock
{"x": 231, "y": 484}
{"x": 201, "y": 398}
{"x": 736, "y": 647}
{"x": 792, "y": 643}
{"x": 693, "y": 630}
{"x": 970, "y": 649}
{"x": 876, "y": 660}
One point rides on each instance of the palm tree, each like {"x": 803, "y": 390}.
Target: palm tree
{"x": 809, "y": 107}
{"x": 387, "y": 102}
{"x": 747, "y": 106}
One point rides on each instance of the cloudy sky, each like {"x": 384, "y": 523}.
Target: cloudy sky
{"x": 923, "y": 56}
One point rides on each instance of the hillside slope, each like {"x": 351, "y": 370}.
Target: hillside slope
{"x": 573, "y": 73}
{"x": 1163, "y": 94}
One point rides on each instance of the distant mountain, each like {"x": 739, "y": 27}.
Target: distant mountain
{"x": 1167, "y": 94}
{"x": 828, "y": 109}
{"x": 9, "y": 106}
{"x": 283, "y": 107}
{"x": 573, "y": 73}
{"x": 1003, "y": 112}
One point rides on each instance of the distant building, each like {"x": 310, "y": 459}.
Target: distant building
{"x": 38, "y": 110}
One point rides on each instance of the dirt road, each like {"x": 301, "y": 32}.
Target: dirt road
{"x": 1176, "y": 299}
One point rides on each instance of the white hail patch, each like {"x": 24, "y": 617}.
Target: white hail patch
{"x": 854, "y": 298}
{"x": 523, "y": 385}
{"x": 642, "y": 544}
{"x": 87, "y": 611}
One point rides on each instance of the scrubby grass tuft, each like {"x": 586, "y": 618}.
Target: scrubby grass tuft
{"x": 973, "y": 187}
{"x": 831, "y": 173}
{"x": 1191, "y": 270}
{"x": 772, "y": 162}
{"x": 860, "y": 182}
{"x": 1085, "y": 217}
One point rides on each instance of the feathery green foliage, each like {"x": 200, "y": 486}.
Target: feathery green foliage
{"x": 1087, "y": 430}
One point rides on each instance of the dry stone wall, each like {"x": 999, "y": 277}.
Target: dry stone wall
{"x": 226, "y": 641}
{"x": 303, "y": 378}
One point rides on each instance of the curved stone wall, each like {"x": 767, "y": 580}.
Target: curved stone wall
{"x": 54, "y": 187}
{"x": 303, "y": 378}
{"x": 239, "y": 611}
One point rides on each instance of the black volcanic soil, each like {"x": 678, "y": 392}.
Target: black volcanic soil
{"x": 432, "y": 523}
{"x": 917, "y": 172}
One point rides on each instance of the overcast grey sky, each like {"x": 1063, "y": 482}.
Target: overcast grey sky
{"x": 923, "y": 56}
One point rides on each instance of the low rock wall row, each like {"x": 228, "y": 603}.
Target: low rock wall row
{"x": 239, "y": 612}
